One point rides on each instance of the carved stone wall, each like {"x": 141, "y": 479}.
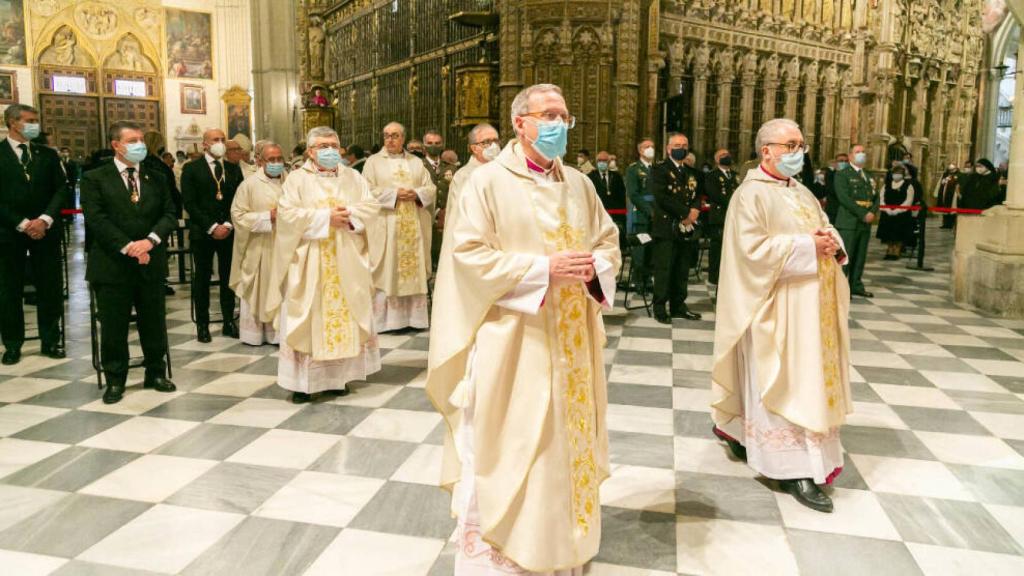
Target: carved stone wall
{"x": 885, "y": 73}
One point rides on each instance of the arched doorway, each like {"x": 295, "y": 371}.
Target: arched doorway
{"x": 86, "y": 82}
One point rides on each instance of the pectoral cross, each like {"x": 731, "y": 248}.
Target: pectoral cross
{"x": 401, "y": 175}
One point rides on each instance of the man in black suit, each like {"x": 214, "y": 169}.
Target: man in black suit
{"x": 208, "y": 186}
{"x": 32, "y": 192}
{"x": 677, "y": 190}
{"x": 611, "y": 189}
{"x": 129, "y": 215}
{"x": 70, "y": 169}
{"x": 719, "y": 184}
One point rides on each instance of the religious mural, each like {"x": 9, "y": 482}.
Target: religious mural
{"x": 128, "y": 56}
{"x": 189, "y": 44}
{"x": 12, "y": 32}
{"x": 65, "y": 50}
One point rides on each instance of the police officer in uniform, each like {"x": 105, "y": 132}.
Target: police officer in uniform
{"x": 638, "y": 213}
{"x": 857, "y": 205}
{"x": 720, "y": 183}
{"x": 441, "y": 174}
{"x": 677, "y": 190}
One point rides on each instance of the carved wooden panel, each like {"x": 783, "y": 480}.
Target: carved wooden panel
{"x": 145, "y": 113}
{"x": 72, "y": 121}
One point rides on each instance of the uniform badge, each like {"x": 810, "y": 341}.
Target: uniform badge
{"x": 691, "y": 183}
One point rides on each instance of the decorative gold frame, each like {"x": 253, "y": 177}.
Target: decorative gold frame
{"x": 12, "y": 76}
{"x": 185, "y": 88}
{"x": 237, "y": 96}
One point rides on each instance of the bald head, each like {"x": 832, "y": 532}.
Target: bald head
{"x": 214, "y": 141}
{"x": 394, "y": 137}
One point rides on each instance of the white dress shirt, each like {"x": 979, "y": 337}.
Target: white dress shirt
{"x": 122, "y": 169}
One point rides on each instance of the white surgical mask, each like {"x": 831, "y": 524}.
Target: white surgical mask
{"x": 217, "y": 149}
{"x": 649, "y": 154}
{"x": 491, "y": 151}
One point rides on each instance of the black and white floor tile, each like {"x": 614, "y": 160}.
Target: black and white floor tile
{"x": 226, "y": 476}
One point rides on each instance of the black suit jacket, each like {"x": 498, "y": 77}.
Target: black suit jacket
{"x": 113, "y": 221}
{"x": 613, "y": 196}
{"x": 42, "y": 191}
{"x": 199, "y": 193}
{"x": 719, "y": 187}
{"x": 676, "y": 191}
{"x": 154, "y": 163}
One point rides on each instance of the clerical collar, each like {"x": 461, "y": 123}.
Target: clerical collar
{"x": 772, "y": 176}
{"x": 534, "y": 167}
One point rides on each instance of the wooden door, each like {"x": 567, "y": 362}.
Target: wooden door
{"x": 72, "y": 121}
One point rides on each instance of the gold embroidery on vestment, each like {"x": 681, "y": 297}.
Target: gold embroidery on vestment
{"x": 337, "y": 319}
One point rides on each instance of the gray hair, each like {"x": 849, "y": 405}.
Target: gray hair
{"x": 770, "y": 130}
{"x": 320, "y": 132}
{"x": 400, "y": 126}
{"x": 671, "y": 135}
{"x": 474, "y": 134}
{"x": 264, "y": 145}
{"x": 13, "y": 113}
{"x": 521, "y": 103}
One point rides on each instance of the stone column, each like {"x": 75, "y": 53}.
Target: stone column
{"x": 792, "y": 86}
{"x": 807, "y": 125}
{"x": 770, "y": 71}
{"x": 749, "y": 81}
{"x": 701, "y": 68}
{"x": 726, "y": 75}
{"x": 827, "y": 130}
{"x": 275, "y": 71}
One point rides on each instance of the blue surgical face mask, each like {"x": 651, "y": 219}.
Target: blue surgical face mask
{"x": 345, "y": 162}
{"x": 552, "y": 138}
{"x": 135, "y": 152}
{"x": 602, "y": 166}
{"x": 30, "y": 131}
{"x": 791, "y": 164}
{"x": 328, "y": 158}
{"x": 274, "y": 169}
{"x": 843, "y": 165}
{"x": 860, "y": 158}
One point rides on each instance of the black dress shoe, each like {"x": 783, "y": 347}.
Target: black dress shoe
{"x": 807, "y": 493}
{"x": 113, "y": 393}
{"x": 735, "y": 447}
{"x": 863, "y": 293}
{"x": 230, "y": 330}
{"x": 168, "y": 291}
{"x": 300, "y": 397}
{"x": 663, "y": 318}
{"x": 685, "y": 313}
{"x": 11, "y": 357}
{"x": 55, "y": 351}
{"x": 203, "y": 333}
{"x": 160, "y": 384}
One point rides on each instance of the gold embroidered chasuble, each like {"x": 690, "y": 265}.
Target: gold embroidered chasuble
{"x": 323, "y": 284}
{"x": 253, "y": 252}
{"x": 539, "y": 430}
{"x": 798, "y": 326}
{"x": 400, "y": 242}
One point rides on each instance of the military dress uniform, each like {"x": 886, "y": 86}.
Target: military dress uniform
{"x": 638, "y": 214}
{"x": 676, "y": 191}
{"x": 441, "y": 175}
{"x": 719, "y": 184}
{"x": 856, "y": 197}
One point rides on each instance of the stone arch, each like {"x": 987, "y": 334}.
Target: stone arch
{"x": 64, "y": 47}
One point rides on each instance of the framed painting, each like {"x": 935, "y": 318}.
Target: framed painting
{"x": 193, "y": 99}
{"x": 8, "y": 87}
{"x": 189, "y": 44}
{"x": 238, "y": 112}
{"x": 12, "y": 32}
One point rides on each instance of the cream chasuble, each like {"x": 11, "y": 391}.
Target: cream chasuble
{"x": 400, "y": 242}
{"x": 780, "y": 376}
{"x": 253, "y": 253}
{"x": 322, "y": 307}
{"x": 452, "y": 214}
{"x": 517, "y": 368}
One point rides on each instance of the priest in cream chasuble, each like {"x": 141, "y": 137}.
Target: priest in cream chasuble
{"x": 323, "y": 296}
{"x": 400, "y": 242}
{"x": 254, "y": 212}
{"x": 516, "y": 367}
{"x": 781, "y": 368}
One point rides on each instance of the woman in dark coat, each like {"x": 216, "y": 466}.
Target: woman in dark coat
{"x": 981, "y": 189}
{"x": 896, "y": 225}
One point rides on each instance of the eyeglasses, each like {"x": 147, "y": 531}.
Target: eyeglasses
{"x": 392, "y": 135}
{"x": 488, "y": 142}
{"x": 791, "y": 146}
{"x": 551, "y": 116}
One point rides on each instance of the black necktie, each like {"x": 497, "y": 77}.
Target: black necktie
{"x": 218, "y": 171}
{"x": 26, "y": 160}
{"x": 133, "y": 188}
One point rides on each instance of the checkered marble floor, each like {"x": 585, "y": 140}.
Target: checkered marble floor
{"x": 226, "y": 476}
